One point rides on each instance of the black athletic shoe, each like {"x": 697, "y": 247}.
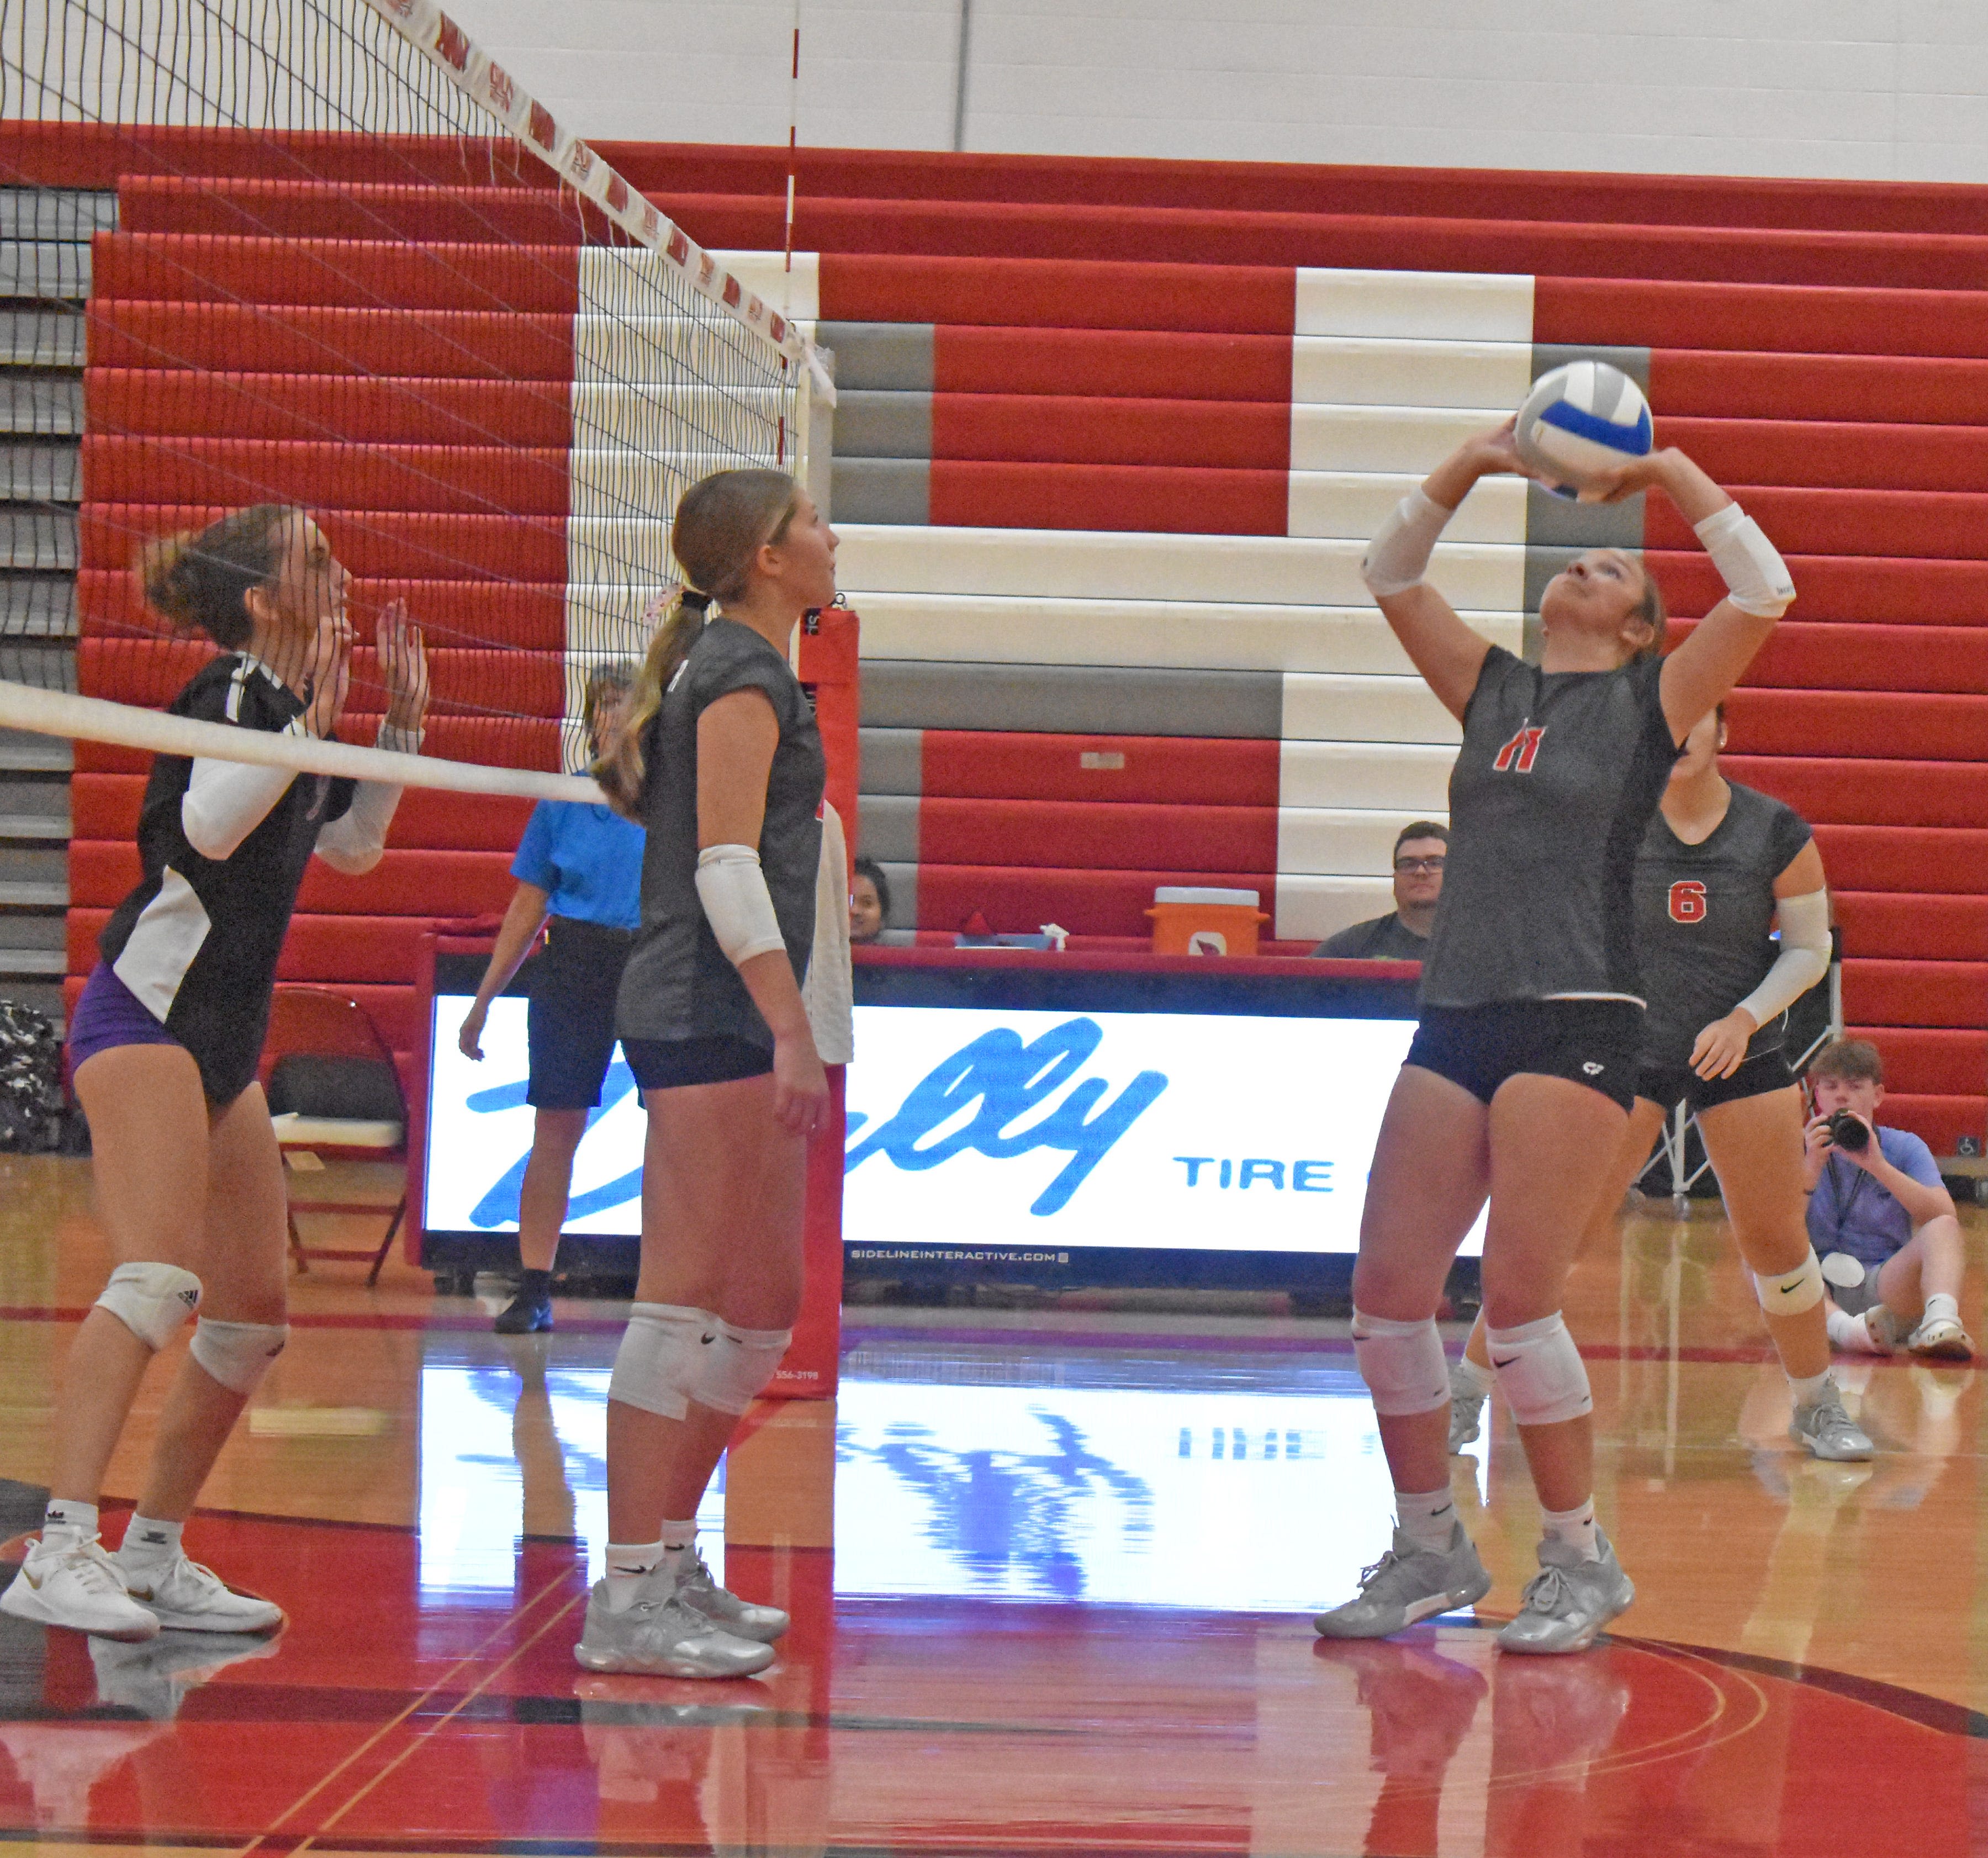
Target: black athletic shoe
{"x": 526, "y": 1314}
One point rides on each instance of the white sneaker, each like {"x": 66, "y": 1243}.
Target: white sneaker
{"x": 1940, "y": 1338}
{"x": 79, "y": 1587}
{"x": 189, "y": 1597}
{"x": 743, "y": 1618}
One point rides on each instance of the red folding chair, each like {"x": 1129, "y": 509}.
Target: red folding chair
{"x": 334, "y": 1092}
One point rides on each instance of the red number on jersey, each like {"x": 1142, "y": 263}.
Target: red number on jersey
{"x": 1518, "y": 755}
{"x": 1688, "y": 902}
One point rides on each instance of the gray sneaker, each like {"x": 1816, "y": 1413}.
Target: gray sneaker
{"x": 742, "y": 1618}
{"x": 1467, "y": 1413}
{"x": 1828, "y": 1431}
{"x": 1568, "y": 1601}
{"x": 1407, "y": 1584}
{"x": 661, "y": 1636}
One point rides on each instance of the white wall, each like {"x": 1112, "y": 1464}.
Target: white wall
{"x": 1873, "y": 88}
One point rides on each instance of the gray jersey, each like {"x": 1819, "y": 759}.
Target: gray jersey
{"x": 1553, "y": 790}
{"x": 1703, "y": 915}
{"x": 679, "y": 983}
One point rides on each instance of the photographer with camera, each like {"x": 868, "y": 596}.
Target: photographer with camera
{"x": 1881, "y": 1223}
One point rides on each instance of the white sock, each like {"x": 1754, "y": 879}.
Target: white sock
{"x": 1467, "y": 1377}
{"x": 147, "y": 1539}
{"x": 67, "y": 1526}
{"x": 1848, "y": 1332}
{"x": 1941, "y": 1305}
{"x": 678, "y": 1536}
{"x": 1575, "y": 1528}
{"x": 1428, "y": 1518}
{"x": 1809, "y": 1389}
{"x": 630, "y": 1564}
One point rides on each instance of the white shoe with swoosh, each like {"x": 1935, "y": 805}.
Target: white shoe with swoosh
{"x": 78, "y": 1586}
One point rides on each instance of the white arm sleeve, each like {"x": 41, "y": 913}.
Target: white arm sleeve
{"x": 732, "y": 889}
{"x": 354, "y": 842}
{"x": 1756, "y": 577}
{"x": 1803, "y": 960}
{"x": 828, "y": 991}
{"x": 226, "y": 800}
{"x": 1398, "y": 557}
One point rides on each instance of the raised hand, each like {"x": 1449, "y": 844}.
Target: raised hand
{"x": 403, "y": 665}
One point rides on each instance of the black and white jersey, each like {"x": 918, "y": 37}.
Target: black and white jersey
{"x": 679, "y": 983}
{"x": 1551, "y": 795}
{"x": 1703, "y": 913}
{"x": 224, "y": 847}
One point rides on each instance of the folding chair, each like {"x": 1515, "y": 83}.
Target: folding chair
{"x": 334, "y": 1092}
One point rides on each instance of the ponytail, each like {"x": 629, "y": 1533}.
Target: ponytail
{"x": 622, "y": 769}
{"x": 723, "y": 522}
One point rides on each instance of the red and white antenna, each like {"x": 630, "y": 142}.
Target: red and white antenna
{"x": 793, "y": 146}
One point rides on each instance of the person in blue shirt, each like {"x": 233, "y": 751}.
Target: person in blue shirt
{"x": 1881, "y": 1222}
{"x": 579, "y": 869}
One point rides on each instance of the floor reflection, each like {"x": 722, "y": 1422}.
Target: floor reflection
{"x": 513, "y": 1447}
{"x": 1231, "y": 1483}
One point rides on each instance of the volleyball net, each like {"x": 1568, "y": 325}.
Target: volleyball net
{"x": 326, "y": 253}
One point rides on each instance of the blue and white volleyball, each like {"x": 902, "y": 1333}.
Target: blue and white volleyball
{"x": 1579, "y": 421}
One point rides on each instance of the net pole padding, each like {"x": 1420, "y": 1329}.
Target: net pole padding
{"x": 830, "y": 664}
{"x": 55, "y": 712}
{"x": 472, "y": 71}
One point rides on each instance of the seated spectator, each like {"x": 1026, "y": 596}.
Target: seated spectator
{"x": 870, "y": 909}
{"x": 1403, "y": 934}
{"x": 1882, "y": 1224}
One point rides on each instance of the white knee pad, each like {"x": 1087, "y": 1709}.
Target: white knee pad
{"x": 1402, "y": 1364}
{"x": 1540, "y": 1372}
{"x": 152, "y": 1301}
{"x": 1789, "y": 1293}
{"x": 238, "y": 1355}
{"x": 663, "y": 1358}
{"x": 738, "y": 1365}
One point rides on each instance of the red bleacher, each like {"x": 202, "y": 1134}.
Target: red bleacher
{"x": 1112, "y": 351}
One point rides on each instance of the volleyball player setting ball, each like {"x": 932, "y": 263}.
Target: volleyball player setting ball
{"x": 1718, "y": 864}
{"x": 164, "y": 1044}
{"x": 1520, "y": 1076}
{"x": 745, "y": 897}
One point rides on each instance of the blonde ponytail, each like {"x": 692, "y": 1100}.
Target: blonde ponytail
{"x": 723, "y": 521}
{"x": 622, "y": 770}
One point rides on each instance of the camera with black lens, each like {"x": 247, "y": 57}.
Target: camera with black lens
{"x": 1848, "y": 1130}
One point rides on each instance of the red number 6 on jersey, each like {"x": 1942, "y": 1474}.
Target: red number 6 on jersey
{"x": 1688, "y": 901}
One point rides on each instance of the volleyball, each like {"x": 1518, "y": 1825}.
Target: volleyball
{"x": 1581, "y": 421}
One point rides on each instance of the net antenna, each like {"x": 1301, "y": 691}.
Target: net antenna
{"x": 338, "y": 258}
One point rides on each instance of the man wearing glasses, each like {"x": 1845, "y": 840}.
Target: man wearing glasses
{"x": 1403, "y": 934}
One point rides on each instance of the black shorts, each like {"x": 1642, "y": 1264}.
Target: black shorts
{"x": 670, "y": 1063}
{"x": 1592, "y": 1042}
{"x": 569, "y": 1029}
{"x": 1758, "y": 1076}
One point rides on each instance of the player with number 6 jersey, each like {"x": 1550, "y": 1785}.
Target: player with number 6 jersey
{"x": 1720, "y": 865}
{"x": 1519, "y": 1081}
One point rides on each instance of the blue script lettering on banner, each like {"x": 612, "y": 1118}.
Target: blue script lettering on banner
{"x": 1007, "y": 1079}
{"x": 499, "y": 1206}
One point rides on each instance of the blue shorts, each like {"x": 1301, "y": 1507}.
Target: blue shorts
{"x": 109, "y": 1014}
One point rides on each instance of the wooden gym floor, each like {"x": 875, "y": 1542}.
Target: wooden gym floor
{"x": 1065, "y": 1610}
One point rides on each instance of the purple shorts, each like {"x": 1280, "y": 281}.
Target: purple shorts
{"x": 110, "y": 1014}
